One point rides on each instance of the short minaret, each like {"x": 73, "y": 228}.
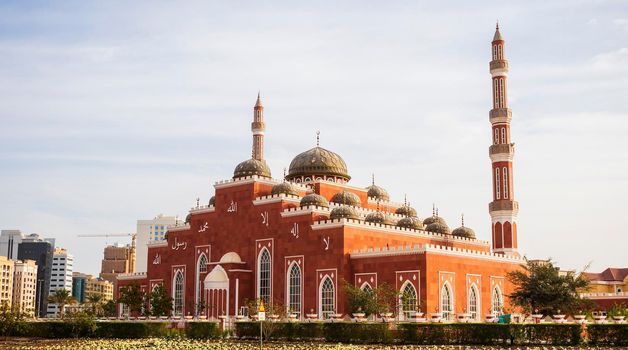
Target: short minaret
{"x": 258, "y": 127}
{"x": 503, "y": 208}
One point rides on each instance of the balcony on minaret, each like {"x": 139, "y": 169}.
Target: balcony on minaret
{"x": 504, "y": 148}
{"x": 500, "y": 115}
{"x": 503, "y": 204}
{"x": 499, "y": 64}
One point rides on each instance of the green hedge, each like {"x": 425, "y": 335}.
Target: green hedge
{"x": 116, "y": 329}
{"x": 419, "y": 333}
{"x": 608, "y": 334}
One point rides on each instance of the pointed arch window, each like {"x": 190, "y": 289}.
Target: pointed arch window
{"x": 497, "y": 184}
{"x": 326, "y": 298}
{"x": 201, "y": 267}
{"x": 497, "y": 300}
{"x": 503, "y": 135}
{"x": 263, "y": 276}
{"x": 473, "y": 303}
{"x": 366, "y": 287}
{"x": 505, "y": 174}
{"x": 446, "y": 304}
{"x": 408, "y": 299}
{"x": 496, "y": 141}
{"x": 178, "y": 294}
{"x": 294, "y": 290}
{"x": 496, "y": 93}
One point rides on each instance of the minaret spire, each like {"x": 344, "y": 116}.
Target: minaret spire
{"x": 258, "y": 127}
{"x": 503, "y": 208}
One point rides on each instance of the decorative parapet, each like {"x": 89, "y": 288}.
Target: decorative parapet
{"x": 620, "y": 295}
{"x": 131, "y": 276}
{"x": 365, "y": 211}
{"x": 387, "y": 204}
{"x": 202, "y": 209}
{"x": 328, "y": 224}
{"x": 304, "y": 211}
{"x": 255, "y": 178}
{"x": 434, "y": 249}
{"x": 157, "y": 244}
{"x": 274, "y": 198}
{"x": 179, "y": 228}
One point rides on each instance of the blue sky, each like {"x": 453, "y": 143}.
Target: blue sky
{"x": 116, "y": 111}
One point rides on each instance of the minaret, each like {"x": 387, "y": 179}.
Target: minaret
{"x": 503, "y": 208}
{"x": 258, "y": 127}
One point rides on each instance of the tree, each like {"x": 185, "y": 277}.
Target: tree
{"x": 160, "y": 301}
{"x": 95, "y": 301}
{"x": 133, "y": 297}
{"x": 109, "y": 308}
{"x": 61, "y": 297}
{"x": 10, "y": 320}
{"x": 370, "y": 300}
{"x": 539, "y": 287}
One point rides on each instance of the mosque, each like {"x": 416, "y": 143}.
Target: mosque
{"x": 295, "y": 241}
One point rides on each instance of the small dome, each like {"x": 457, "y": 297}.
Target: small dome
{"x": 432, "y": 219}
{"x": 251, "y": 167}
{"x": 464, "y": 232}
{"x": 345, "y": 212}
{"x": 438, "y": 227}
{"x": 406, "y": 210}
{"x": 188, "y": 218}
{"x": 212, "y": 201}
{"x": 379, "y": 218}
{"x": 378, "y": 193}
{"x": 410, "y": 222}
{"x": 231, "y": 257}
{"x": 285, "y": 188}
{"x": 318, "y": 162}
{"x": 314, "y": 199}
{"x": 346, "y": 197}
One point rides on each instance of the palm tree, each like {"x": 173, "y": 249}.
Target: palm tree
{"x": 95, "y": 300}
{"x": 62, "y": 298}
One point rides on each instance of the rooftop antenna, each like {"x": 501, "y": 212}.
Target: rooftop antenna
{"x": 318, "y": 138}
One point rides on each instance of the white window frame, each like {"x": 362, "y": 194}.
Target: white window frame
{"x": 503, "y": 135}
{"x": 448, "y": 314}
{"x": 473, "y": 290}
{"x": 497, "y": 184}
{"x": 325, "y": 314}
{"x": 289, "y": 293}
{"x": 175, "y": 310}
{"x": 270, "y": 275}
{"x": 505, "y": 175}
{"x": 198, "y": 291}
{"x": 407, "y": 310}
{"x": 497, "y": 304}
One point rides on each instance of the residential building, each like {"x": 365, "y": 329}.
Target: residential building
{"x": 61, "y": 276}
{"x": 150, "y": 231}
{"x": 24, "y": 286}
{"x": 33, "y": 247}
{"x": 607, "y": 288}
{"x": 117, "y": 259}
{"x": 9, "y": 242}
{"x": 6, "y": 280}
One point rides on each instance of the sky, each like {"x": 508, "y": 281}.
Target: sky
{"x": 114, "y": 111}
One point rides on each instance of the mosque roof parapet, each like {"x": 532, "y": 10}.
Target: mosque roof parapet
{"x": 325, "y": 224}
{"x": 388, "y": 204}
{"x": 255, "y": 178}
{"x": 156, "y": 244}
{"x": 308, "y": 210}
{"x": 179, "y": 227}
{"x": 433, "y": 248}
{"x": 131, "y": 276}
{"x": 273, "y": 198}
{"x": 202, "y": 209}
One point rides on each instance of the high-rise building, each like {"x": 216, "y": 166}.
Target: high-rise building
{"x": 33, "y": 247}
{"x": 117, "y": 259}
{"x": 6, "y": 280}
{"x": 24, "y": 286}
{"x": 150, "y": 231}
{"x": 84, "y": 285}
{"x": 79, "y": 280}
{"x": 9, "y": 241}
{"x": 61, "y": 276}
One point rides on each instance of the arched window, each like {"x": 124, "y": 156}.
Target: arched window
{"x": 497, "y": 184}
{"x": 326, "y": 298}
{"x": 366, "y": 287}
{"x": 496, "y": 136}
{"x": 505, "y": 174}
{"x": 496, "y": 93}
{"x": 294, "y": 290}
{"x": 503, "y": 135}
{"x": 473, "y": 303}
{"x": 446, "y": 303}
{"x": 498, "y": 303}
{"x": 495, "y": 52}
{"x": 201, "y": 267}
{"x": 263, "y": 276}
{"x": 408, "y": 299}
{"x": 178, "y": 294}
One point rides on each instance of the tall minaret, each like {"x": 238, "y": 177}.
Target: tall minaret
{"x": 258, "y": 127}
{"x": 503, "y": 208}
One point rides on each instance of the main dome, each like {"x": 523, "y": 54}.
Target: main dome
{"x": 317, "y": 162}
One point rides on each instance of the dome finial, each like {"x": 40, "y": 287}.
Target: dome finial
{"x": 437, "y": 212}
{"x": 284, "y": 173}
{"x": 258, "y": 103}
{"x": 373, "y": 179}
{"x": 433, "y": 210}
{"x": 405, "y": 199}
{"x": 497, "y": 25}
{"x": 318, "y": 138}
{"x": 462, "y": 219}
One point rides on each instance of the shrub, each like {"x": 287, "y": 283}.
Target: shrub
{"x": 551, "y": 334}
{"x": 202, "y": 330}
{"x": 608, "y": 334}
{"x": 357, "y": 332}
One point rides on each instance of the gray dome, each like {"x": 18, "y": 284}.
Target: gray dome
{"x": 432, "y": 219}
{"x": 345, "y": 212}
{"x": 406, "y": 210}
{"x": 212, "y": 200}
{"x": 318, "y": 162}
{"x": 438, "y": 227}
{"x": 285, "y": 188}
{"x": 314, "y": 199}
{"x": 251, "y": 167}
{"x": 410, "y": 222}
{"x": 348, "y": 198}
{"x": 379, "y": 218}
{"x": 464, "y": 232}
{"x": 378, "y": 193}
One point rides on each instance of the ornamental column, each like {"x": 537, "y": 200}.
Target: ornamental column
{"x": 503, "y": 209}
{"x": 258, "y": 127}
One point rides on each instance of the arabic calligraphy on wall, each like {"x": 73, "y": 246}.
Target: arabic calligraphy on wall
{"x": 179, "y": 245}
{"x": 233, "y": 207}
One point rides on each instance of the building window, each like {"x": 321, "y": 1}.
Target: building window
{"x": 496, "y": 139}
{"x": 178, "y": 294}
{"x": 503, "y": 135}
{"x": 497, "y": 184}
{"x": 201, "y": 268}
{"x": 202, "y": 264}
{"x": 505, "y": 174}
{"x": 263, "y": 276}
{"x": 446, "y": 303}
{"x": 498, "y": 303}
{"x": 294, "y": 290}
{"x": 327, "y": 298}
{"x": 366, "y": 287}
{"x": 496, "y": 93}
{"x": 408, "y": 299}
{"x": 473, "y": 303}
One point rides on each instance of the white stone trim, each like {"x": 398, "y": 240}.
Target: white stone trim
{"x": 131, "y": 276}
{"x": 203, "y": 209}
{"x": 178, "y": 228}
{"x": 276, "y": 198}
{"x": 434, "y": 249}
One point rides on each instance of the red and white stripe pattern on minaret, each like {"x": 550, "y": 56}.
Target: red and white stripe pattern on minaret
{"x": 258, "y": 127}
{"x": 503, "y": 208}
